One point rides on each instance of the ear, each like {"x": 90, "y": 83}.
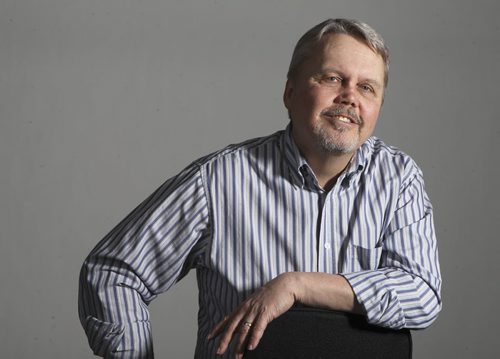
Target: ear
{"x": 287, "y": 94}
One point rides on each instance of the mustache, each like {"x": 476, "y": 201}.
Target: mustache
{"x": 342, "y": 111}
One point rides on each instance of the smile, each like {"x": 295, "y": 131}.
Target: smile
{"x": 343, "y": 116}
{"x": 344, "y": 119}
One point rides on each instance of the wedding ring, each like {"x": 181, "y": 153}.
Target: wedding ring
{"x": 247, "y": 324}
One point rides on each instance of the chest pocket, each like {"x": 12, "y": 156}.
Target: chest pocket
{"x": 357, "y": 258}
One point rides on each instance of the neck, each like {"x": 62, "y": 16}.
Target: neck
{"x": 328, "y": 167}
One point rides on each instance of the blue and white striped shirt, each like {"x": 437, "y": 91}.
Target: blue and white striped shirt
{"x": 251, "y": 211}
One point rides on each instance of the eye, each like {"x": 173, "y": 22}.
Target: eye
{"x": 332, "y": 79}
{"x": 366, "y": 88}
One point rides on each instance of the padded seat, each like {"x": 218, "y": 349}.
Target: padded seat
{"x": 310, "y": 333}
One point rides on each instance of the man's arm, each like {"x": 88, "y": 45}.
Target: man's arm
{"x": 404, "y": 291}
{"x": 143, "y": 256}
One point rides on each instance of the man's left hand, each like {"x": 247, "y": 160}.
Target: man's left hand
{"x": 248, "y": 322}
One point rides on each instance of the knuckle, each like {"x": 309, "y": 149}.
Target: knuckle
{"x": 263, "y": 309}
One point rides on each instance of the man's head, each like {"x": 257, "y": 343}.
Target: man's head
{"x": 335, "y": 87}
{"x": 354, "y": 28}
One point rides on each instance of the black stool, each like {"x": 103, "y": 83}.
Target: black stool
{"x": 310, "y": 333}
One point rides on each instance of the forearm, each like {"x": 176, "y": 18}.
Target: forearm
{"x": 388, "y": 297}
{"x": 323, "y": 290}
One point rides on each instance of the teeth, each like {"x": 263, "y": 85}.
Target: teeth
{"x": 343, "y": 119}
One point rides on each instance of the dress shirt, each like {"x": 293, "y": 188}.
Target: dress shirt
{"x": 245, "y": 214}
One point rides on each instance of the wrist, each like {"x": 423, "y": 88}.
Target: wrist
{"x": 297, "y": 284}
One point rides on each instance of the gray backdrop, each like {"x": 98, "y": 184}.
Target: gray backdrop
{"x": 102, "y": 100}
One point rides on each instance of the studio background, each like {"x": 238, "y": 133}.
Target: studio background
{"x": 102, "y": 100}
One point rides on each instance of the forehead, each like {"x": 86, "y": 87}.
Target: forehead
{"x": 345, "y": 53}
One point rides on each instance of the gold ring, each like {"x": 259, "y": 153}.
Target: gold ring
{"x": 247, "y": 324}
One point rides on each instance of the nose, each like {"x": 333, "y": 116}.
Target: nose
{"x": 347, "y": 95}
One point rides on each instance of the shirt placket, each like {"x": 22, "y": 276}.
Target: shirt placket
{"x": 329, "y": 234}
{"x": 325, "y": 242}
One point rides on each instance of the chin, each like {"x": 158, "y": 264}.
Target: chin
{"x": 338, "y": 144}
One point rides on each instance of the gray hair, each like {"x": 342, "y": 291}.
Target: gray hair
{"x": 354, "y": 28}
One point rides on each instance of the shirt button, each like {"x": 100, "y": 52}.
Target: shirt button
{"x": 327, "y": 245}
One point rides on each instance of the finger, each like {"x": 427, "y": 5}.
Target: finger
{"x": 244, "y": 330}
{"x": 228, "y": 332}
{"x": 238, "y": 314}
{"x": 258, "y": 328}
{"x": 218, "y": 328}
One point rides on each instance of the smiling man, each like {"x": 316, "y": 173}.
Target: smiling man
{"x": 334, "y": 98}
{"x": 321, "y": 214}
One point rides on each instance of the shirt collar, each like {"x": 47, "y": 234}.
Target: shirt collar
{"x": 291, "y": 151}
{"x": 300, "y": 170}
{"x": 359, "y": 160}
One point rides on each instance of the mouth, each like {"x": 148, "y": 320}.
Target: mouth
{"x": 341, "y": 116}
{"x": 345, "y": 119}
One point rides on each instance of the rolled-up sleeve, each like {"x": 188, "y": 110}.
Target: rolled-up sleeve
{"x": 405, "y": 290}
{"x": 140, "y": 258}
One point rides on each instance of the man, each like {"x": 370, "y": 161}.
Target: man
{"x": 320, "y": 214}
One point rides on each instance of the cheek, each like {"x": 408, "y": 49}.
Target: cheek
{"x": 321, "y": 96}
{"x": 370, "y": 114}
{"x": 313, "y": 101}
{"x": 370, "y": 120}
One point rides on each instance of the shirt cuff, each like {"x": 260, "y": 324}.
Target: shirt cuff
{"x": 379, "y": 300}
{"x": 104, "y": 337}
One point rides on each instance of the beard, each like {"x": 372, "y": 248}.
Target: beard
{"x": 336, "y": 140}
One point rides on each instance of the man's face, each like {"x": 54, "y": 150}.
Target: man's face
{"x": 334, "y": 99}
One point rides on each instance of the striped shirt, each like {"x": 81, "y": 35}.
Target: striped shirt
{"x": 245, "y": 214}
